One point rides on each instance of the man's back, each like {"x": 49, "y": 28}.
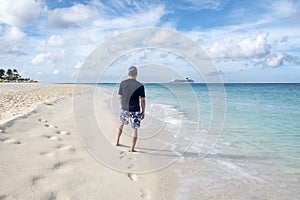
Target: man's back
{"x": 131, "y": 91}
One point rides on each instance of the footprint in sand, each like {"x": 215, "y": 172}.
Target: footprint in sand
{"x": 10, "y": 140}
{"x": 48, "y": 104}
{"x": 144, "y": 194}
{"x": 59, "y": 164}
{"x": 43, "y": 120}
{"x": 60, "y": 132}
{"x": 50, "y": 126}
{"x": 46, "y": 123}
{"x": 34, "y": 180}
{"x": 4, "y": 139}
{"x": 50, "y": 195}
{"x": 130, "y": 159}
{"x": 44, "y": 153}
{"x": 132, "y": 177}
{"x": 3, "y": 196}
{"x": 122, "y": 154}
{"x": 63, "y": 147}
{"x": 51, "y": 137}
{"x": 130, "y": 165}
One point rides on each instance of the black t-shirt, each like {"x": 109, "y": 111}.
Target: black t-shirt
{"x": 131, "y": 91}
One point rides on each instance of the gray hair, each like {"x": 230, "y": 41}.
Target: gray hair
{"x": 132, "y": 71}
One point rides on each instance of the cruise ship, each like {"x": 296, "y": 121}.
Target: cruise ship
{"x": 186, "y": 80}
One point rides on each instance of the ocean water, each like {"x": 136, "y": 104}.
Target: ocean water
{"x": 259, "y": 141}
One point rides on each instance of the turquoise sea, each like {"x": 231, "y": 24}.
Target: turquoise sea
{"x": 260, "y": 133}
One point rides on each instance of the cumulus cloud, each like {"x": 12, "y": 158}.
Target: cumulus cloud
{"x": 19, "y": 13}
{"x": 71, "y": 16}
{"x": 42, "y": 58}
{"x": 12, "y": 34}
{"x": 9, "y": 39}
{"x": 277, "y": 59}
{"x": 47, "y": 58}
{"x": 253, "y": 49}
{"x": 55, "y": 40}
{"x": 248, "y": 47}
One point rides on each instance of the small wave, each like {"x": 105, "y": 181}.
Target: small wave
{"x": 166, "y": 113}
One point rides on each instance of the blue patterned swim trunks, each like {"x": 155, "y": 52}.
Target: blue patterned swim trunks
{"x": 134, "y": 117}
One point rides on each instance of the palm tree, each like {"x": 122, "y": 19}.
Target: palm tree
{"x": 9, "y": 74}
{"x": 2, "y": 73}
{"x": 15, "y": 74}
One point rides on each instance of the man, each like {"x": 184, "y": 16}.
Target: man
{"x": 131, "y": 95}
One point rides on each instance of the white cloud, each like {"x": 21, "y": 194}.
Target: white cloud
{"x": 19, "y": 13}
{"x": 56, "y": 71}
{"x": 10, "y": 39}
{"x": 145, "y": 18}
{"x": 12, "y": 34}
{"x": 70, "y": 17}
{"x": 47, "y": 58}
{"x": 256, "y": 50}
{"x": 248, "y": 47}
{"x": 283, "y": 8}
{"x": 42, "y": 58}
{"x": 277, "y": 59}
{"x": 55, "y": 40}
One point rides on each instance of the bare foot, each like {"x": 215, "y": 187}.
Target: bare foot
{"x": 117, "y": 144}
{"x": 132, "y": 150}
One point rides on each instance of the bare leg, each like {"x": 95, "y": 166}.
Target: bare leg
{"x": 119, "y": 133}
{"x": 133, "y": 140}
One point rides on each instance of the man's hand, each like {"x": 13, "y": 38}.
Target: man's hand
{"x": 142, "y": 115}
{"x": 143, "y": 104}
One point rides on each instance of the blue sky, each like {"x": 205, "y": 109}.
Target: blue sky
{"x": 248, "y": 41}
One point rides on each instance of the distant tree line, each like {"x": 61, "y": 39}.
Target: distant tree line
{"x": 12, "y": 75}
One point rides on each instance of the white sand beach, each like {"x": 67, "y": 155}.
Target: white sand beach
{"x": 41, "y": 156}
{"x": 18, "y": 99}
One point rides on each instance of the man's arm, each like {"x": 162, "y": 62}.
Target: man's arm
{"x": 143, "y": 104}
{"x": 120, "y": 99}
